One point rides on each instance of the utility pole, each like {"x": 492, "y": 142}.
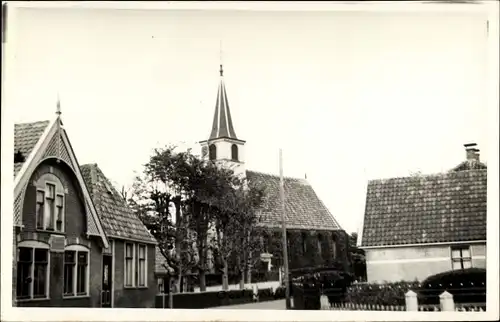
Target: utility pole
{"x": 285, "y": 248}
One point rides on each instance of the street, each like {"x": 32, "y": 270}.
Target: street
{"x": 269, "y": 305}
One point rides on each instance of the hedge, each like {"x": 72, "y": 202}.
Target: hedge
{"x": 466, "y": 286}
{"x": 380, "y": 294}
{"x": 203, "y": 300}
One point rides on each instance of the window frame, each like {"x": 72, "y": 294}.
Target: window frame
{"x": 77, "y": 249}
{"x": 133, "y": 261}
{"x": 42, "y": 185}
{"x": 33, "y": 246}
{"x": 212, "y": 149}
{"x": 461, "y": 259}
{"x": 145, "y": 266}
{"x": 235, "y": 152}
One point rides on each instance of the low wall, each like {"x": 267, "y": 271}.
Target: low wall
{"x": 260, "y": 285}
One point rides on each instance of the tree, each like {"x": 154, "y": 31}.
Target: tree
{"x": 358, "y": 260}
{"x": 236, "y": 218}
{"x": 159, "y": 199}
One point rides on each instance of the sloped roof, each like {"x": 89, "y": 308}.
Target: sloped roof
{"x": 446, "y": 207}
{"x": 161, "y": 262}
{"x": 222, "y": 126}
{"x": 26, "y": 135}
{"x": 303, "y": 208}
{"x": 119, "y": 221}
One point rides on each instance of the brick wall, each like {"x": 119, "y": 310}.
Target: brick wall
{"x": 133, "y": 297}
{"x": 75, "y": 226}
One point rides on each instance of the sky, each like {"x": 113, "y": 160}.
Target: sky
{"x": 348, "y": 96}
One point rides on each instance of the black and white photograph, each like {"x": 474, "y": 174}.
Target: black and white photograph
{"x": 185, "y": 160}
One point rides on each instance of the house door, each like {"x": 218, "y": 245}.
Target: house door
{"x": 106, "y": 281}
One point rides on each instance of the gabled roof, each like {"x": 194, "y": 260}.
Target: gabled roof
{"x": 119, "y": 221}
{"x": 303, "y": 208}
{"x": 26, "y": 135}
{"x": 222, "y": 126}
{"x": 441, "y": 208}
{"x": 40, "y": 141}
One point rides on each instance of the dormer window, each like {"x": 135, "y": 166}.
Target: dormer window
{"x": 49, "y": 203}
{"x": 212, "y": 152}
{"x": 19, "y": 157}
{"x": 234, "y": 152}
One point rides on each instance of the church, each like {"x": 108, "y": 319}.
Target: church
{"x": 315, "y": 238}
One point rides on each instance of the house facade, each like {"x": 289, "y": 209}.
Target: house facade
{"x": 65, "y": 252}
{"x": 314, "y": 236}
{"x": 419, "y": 226}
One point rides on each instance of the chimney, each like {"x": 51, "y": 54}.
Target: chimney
{"x": 472, "y": 152}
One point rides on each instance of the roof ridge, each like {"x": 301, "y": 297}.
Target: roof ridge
{"x": 436, "y": 174}
{"x": 35, "y": 122}
{"x": 277, "y": 176}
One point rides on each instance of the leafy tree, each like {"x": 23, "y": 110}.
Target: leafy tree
{"x": 358, "y": 260}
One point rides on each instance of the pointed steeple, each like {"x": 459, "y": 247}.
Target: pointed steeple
{"x": 222, "y": 126}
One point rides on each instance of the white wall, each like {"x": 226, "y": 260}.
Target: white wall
{"x": 414, "y": 262}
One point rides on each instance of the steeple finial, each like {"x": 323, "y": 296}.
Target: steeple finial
{"x": 58, "y": 106}
{"x": 221, "y": 70}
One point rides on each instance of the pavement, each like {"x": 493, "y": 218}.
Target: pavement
{"x": 268, "y": 305}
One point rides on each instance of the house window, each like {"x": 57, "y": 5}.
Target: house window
{"x": 40, "y": 204}
{"x": 234, "y": 152}
{"x": 212, "y": 152}
{"x": 142, "y": 265}
{"x": 334, "y": 247}
{"x": 161, "y": 285}
{"x": 304, "y": 243}
{"x": 76, "y": 271}
{"x": 49, "y": 203}
{"x": 461, "y": 257}
{"x": 320, "y": 244}
{"x": 129, "y": 264}
{"x": 32, "y": 272}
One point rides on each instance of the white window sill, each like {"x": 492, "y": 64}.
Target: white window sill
{"x": 33, "y": 299}
{"x": 54, "y": 232}
{"x": 69, "y": 297}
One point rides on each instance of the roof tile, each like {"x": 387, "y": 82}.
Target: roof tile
{"x": 445, "y": 207}
{"x": 303, "y": 208}
{"x": 117, "y": 218}
{"x": 26, "y": 136}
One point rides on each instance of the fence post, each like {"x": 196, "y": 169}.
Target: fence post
{"x": 325, "y": 304}
{"x": 447, "y": 303}
{"x": 411, "y": 301}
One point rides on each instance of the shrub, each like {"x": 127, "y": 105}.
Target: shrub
{"x": 466, "y": 286}
{"x": 265, "y": 294}
{"x": 202, "y": 300}
{"x": 380, "y": 294}
{"x": 280, "y": 293}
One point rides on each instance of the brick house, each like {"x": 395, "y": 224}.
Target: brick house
{"x": 69, "y": 236}
{"x": 130, "y": 260}
{"x": 419, "y": 226}
{"x": 314, "y": 234}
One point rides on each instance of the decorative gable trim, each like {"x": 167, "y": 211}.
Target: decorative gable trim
{"x": 46, "y": 147}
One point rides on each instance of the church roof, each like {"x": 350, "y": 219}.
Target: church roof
{"x": 303, "y": 208}
{"x": 222, "y": 126}
{"x": 119, "y": 221}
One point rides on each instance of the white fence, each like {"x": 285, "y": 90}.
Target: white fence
{"x": 411, "y": 300}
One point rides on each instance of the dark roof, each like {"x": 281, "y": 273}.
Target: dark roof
{"x": 447, "y": 207}
{"x": 119, "y": 221}
{"x": 26, "y": 136}
{"x": 222, "y": 126}
{"x": 303, "y": 208}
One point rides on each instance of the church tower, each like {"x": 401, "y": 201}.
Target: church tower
{"x": 223, "y": 145}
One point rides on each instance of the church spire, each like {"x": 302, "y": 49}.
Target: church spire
{"x": 222, "y": 126}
